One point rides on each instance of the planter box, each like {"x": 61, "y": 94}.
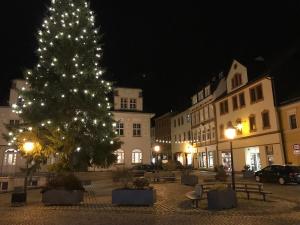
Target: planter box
{"x": 62, "y": 197}
{"x": 221, "y": 199}
{"x": 189, "y": 180}
{"x": 17, "y": 198}
{"x": 133, "y": 197}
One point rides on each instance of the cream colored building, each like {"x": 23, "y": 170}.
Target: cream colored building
{"x": 181, "y": 137}
{"x": 203, "y": 123}
{"x": 290, "y": 123}
{"x": 133, "y": 127}
{"x": 249, "y": 103}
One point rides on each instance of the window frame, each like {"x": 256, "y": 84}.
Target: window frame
{"x": 252, "y": 116}
{"x": 266, "y": 112}
{"x": 136, "y": 130}
{"x": 290, "y": 121}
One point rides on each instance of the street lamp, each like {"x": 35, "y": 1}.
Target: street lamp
{"x": 230, "y": 133}
{"x": 28, "y": 147}
{"x": 156, "y": 150}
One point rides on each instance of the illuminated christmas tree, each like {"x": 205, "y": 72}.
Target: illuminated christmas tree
{"x": 65, "y": 108}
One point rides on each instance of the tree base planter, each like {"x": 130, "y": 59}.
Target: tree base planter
{"x": 18, "y": 198}
{"x": 134, "y": 196}
{"x": 62, "y": 197}
{"x": 189, "y": 180}
{"x": 221, "y": 199}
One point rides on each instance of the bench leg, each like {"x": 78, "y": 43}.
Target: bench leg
{"x": 197, "y": 203}
{"x": 264, "y": 196}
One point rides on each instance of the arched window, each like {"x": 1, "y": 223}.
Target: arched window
{"x": 10, "y": 156}
{"x": 120, "y": 156}
{"x": 137, "y": 156}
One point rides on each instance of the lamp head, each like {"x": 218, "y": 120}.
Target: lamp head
{"x": 230, "y": 132}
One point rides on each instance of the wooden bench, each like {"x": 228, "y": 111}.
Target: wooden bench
{"x": 251, "y": 188}
{"x": 195, "y": 195}
{"x": 248, "y": 188}
{"x": 161, "y": 175}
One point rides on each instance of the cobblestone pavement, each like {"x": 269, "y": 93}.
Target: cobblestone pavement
{"x": 171, "y": 208}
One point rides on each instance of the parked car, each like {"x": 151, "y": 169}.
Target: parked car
{"x": 279, "y": 173}
{"x": 139, "y": 170}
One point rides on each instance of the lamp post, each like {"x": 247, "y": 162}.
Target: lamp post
{"x": 230, "y": 133}
{"x": 27, "y": 147}
{"x": 156, "y": 150}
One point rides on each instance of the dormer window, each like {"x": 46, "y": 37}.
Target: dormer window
{"x": 207, "y": 91}
{"x": 236, "y": 81}
{"x": 200, "y": 95}
{"x": 124, "y": 103}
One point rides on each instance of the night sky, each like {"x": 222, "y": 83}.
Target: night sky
{"x": 168, "y": 49}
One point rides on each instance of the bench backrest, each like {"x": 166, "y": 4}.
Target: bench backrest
{"x": 198, "y": 190}
{"x": 238, "y": 186}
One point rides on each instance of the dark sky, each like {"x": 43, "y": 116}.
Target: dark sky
{"x": 168, "y": 49}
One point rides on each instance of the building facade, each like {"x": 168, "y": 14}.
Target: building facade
{"x": 132, "y": 127}
{"x": 249, "y": 107}
{"x": 162, "y": 137}
{"x": 181, "y": 138}
{"x": 203, "y": 123}
{"x": 290, "y": 124}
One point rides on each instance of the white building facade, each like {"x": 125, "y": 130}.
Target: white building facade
{"x": 133, "y": 127}
{"x": 250, "y": 106}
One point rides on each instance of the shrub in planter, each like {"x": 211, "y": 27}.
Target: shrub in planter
{"x": 63, "y": 189}
{"x": 221, "y": 173}
{"x": 123, "y": 175}
{"x": 247, "y": 172}
{"x": 141, "y": 183}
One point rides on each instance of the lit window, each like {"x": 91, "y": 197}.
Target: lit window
{"x": 10, "y": 157}
{"x": 252, "y": 123}
{"x": 120, "y": 156}
{"x": 137, "y": 156}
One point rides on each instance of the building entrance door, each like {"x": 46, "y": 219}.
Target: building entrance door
{"x": 226, "y": 161}
{"x": 253, "y": 158}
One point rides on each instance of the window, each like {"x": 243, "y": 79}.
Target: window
{"x": 182, "y": 120}
{"x": 179, "y": 137}
{"x": 178, "y": 121}
{"x": 123, "y": 103}
{"x": 203, "y": 159}
{"x": 223, "y": 107}
{"x": 239, "y": 131}
{"x": 207, "y": 91}
{"x": 252, "y": 123}
{"x": 14, "y": 122}
{"x": 208, "y": 134}
{"x": 200, "y": 95}
{"x": 206, "y": 117}
{"x": 132, "y": 103}
{"x": 120, "y": 156}
{"x": 235, "y": 103}
{"x": 199, "y": 136}
{"x": 136, "y": 129}
{"x": 256, "y": 93}
{"x": 210, "y": 159}
{"x": 10, "y": 157}
{"x": 189, "y": 136}
{"x": 236, "y": 80}
{"x": 293, "y": 121}
{"x": 269, "y": 154}
{"x": 184, "y": 136}
{"x": 221, "y": 131}
{"x": 120, "y": 129}
{"x": 213, "y": 133}
{"x": 204, "y": 135}
{"x": 137, "y": 156}
{"x": 242, "y": 99}
{"x": 265, "y": 119}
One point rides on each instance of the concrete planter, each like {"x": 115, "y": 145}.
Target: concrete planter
{"x": 62, "y": 197}
{"x": 221, "y": 199}
{"x": 189, "y": 180}
{"x": 134, "y": 196}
